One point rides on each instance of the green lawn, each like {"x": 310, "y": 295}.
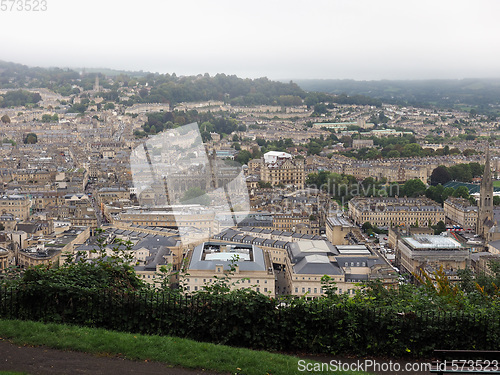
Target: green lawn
{"x": 170, "y": 350}
{"x": 496, "y": 183}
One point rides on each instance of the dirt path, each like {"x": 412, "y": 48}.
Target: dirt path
{"x": 46, "y": 361}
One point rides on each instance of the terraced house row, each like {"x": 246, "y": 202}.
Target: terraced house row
{"x": 389, "y": 212}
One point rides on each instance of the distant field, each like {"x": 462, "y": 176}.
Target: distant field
{"x": 496, "y": 183}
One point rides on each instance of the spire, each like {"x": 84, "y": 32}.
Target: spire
{"x": 487, "y": 179}
{"x": 485, "y": 209}
{"x": 487, "y": 168}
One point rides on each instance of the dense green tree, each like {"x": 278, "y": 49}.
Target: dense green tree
{"x": 393, "y": 154}
{"x": 19, "y": 98}
{"x": 447, "y": 192}
{"x": 78, "y": 108}
{"x": 31, "y": 138}
{"x": 346, "y": 140}
{"x": 440, "y": 175}
{"x": 461, "y": 172}
{"x": 439, "y": 227}
{"x": 50, "y": 118}
{"x": 256, "y": 152}
{"x": 411, "y": 150}
{"x": 318, "y": 179}
{"x": 289, "y": 100}
{"x": 461, "y": 192}
{"x": 469, "y": 152}
{"x": 476, "y": 169}
{"x": 414, "y": 188}
{"x": 320, "y": 109}
{"x": 366, "y": 225}
{"x": 373, "y": 153}
{"x": 435, "y": 193}
{"x": 243, "y": 157}
{"x": 313, "y": 148}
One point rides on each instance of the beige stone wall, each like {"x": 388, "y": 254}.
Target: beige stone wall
{"x": 385, "y": 217}
{"x": 336, "y": 233}
{"x": 20, "y": 208}
{"x": 259, "y": 281}
{"x": 459, "y": 214}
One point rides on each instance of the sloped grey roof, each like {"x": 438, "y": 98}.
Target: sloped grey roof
{"x": 317, "y": 264}
{"x": 355, "y": 277}
{"x": 298, "y": 250}
{"x": 152, "y": 243}
{"x": 259, "y": 241}
{"x": 494, "y": 244}
{"x": 280, "y": 244}
{"x": 269, "y": 243}
{"x": 157, "y": 258}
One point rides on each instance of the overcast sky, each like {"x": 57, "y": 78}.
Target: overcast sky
{"x": 358, "y": 39}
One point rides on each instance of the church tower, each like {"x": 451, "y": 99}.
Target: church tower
{"x": 485, "y": 209}
{"x": 97, "y": 88}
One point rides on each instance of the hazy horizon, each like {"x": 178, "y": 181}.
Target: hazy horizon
{"x": 286, "y": 79}
{"x": 282, "y": 40}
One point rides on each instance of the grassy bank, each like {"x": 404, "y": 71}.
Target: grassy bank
{"x": 169, "y": 350}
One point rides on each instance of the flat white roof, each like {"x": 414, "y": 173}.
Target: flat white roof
{"x": 354, "y": 251}
{"x": 432, "y": 242}
{"x": 227, "y": 256}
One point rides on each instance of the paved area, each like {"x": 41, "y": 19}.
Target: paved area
{"x": 41, "y": 360}
{"x": 46, "y": 361}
